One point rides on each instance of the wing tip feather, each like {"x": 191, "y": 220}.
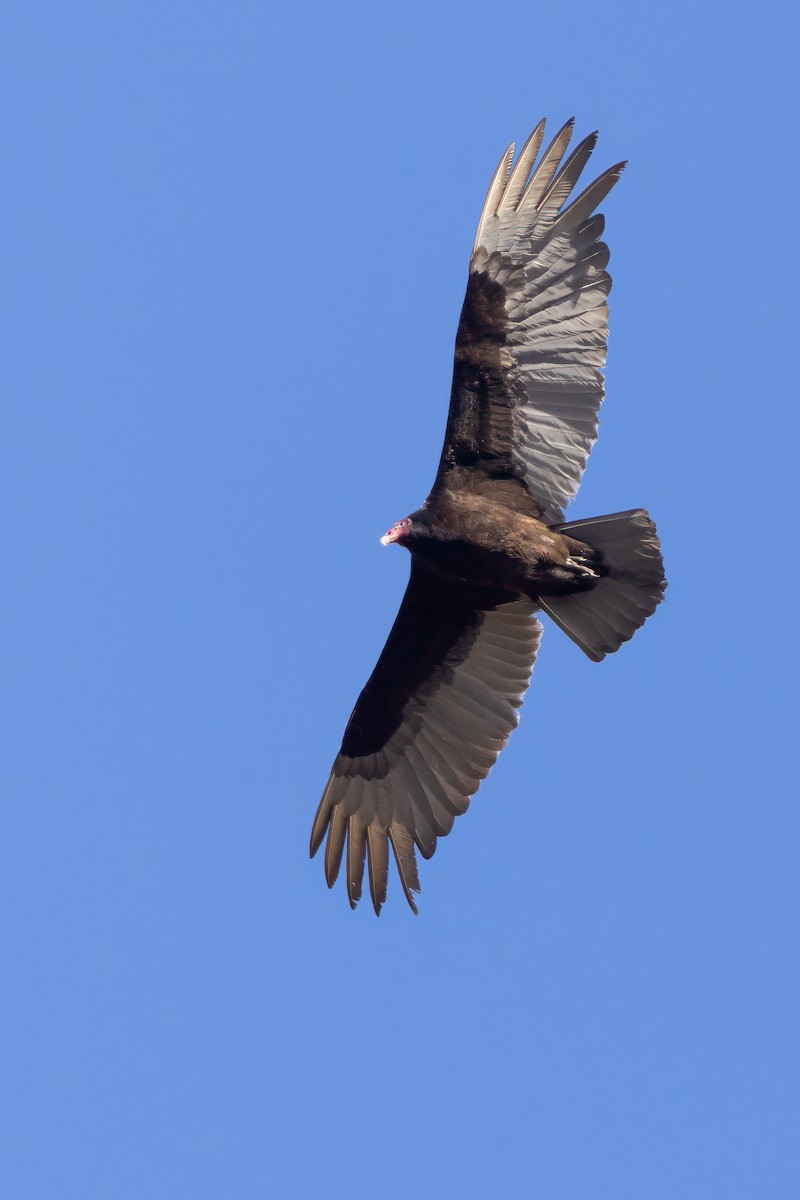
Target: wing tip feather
{"x": 335, "y": 844}
{"x": 377, "y": 866}
{"x": 403, "y": 867}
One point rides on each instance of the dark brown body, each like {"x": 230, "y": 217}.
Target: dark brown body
{"x": 474, "y": 539}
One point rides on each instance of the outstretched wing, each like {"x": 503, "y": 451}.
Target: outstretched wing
{"x": 533, "y": 332}
{"x": 427, "y": 728}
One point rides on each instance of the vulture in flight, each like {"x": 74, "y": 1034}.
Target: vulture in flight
{"x": 489, "y": 547}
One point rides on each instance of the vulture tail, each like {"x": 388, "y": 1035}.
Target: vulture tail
{"x": 630, "y": 586}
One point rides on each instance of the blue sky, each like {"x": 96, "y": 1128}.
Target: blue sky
{"x": 235, "y": 247}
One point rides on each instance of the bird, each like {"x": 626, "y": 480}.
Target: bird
{"x": 489, "y": 546}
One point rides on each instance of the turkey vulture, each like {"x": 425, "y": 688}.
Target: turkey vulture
{"x": 489, "y": 547}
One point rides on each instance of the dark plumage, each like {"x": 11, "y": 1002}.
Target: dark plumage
{"x": 489, "y": 546}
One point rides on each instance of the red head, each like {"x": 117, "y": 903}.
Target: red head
{"x": 397, "y": 532}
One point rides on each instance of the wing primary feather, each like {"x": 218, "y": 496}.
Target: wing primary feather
{"x": 495, "y": 191}
{"x": 584, "y": 205}
{"x": 403, "y": 848}
{"x": 335, "y": 790}
{"x": 546, "y": 168}
{"x": 522, "y": 168}
{"x": 356, "y": 851}
{"x": 568, "y": 176}
{"x": 319, "y": 827}
{"x": 378, "y": 861}
{"x": 322, "y": 818}
{"x": 335, "y": 844}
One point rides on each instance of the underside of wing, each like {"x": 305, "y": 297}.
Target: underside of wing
{"x": 532, "y": 337}
{"x": 427, "y": 728}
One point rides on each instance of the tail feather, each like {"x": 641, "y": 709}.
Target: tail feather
{"x": 631, "y": 585}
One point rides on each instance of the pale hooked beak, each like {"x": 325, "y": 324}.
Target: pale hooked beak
{"x": 398, "y": 531}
